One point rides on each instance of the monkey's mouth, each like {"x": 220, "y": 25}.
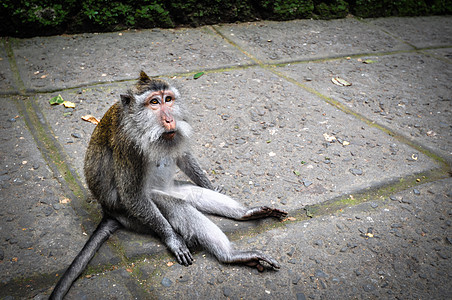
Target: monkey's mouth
{"x": 169, "y": 135}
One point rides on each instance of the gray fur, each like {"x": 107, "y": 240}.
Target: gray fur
{"x": 129, "y": 168}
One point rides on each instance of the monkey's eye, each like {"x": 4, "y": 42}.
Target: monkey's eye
{"x": 154, "y": 101}
{"x": 168, "y": 99}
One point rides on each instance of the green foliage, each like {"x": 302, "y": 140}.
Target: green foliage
{"x": 386, "y": 8}
{"x": 331, "y": 9}
{"x": 199, "y": 12}
{"x": 36, "y": 17}
{"x": 287, "y": 9}
{"x": 153, "y": 15}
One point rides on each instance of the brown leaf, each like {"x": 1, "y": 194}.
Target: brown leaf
{"x": 90, "y": 118}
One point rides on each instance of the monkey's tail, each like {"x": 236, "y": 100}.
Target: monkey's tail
{"x": 103, "y": 231}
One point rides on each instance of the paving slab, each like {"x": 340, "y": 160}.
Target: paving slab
{"x": 421, "y": 32}
{"x": 273, "y": 42}
{"x": 116, "y": 284}
{"x": 6, "y": 76}
{"x": 382, "y": 249}
{"x": 39, "y": 231}
{"x": 410, "y": 93}
{"x": 58, "y": 62}
{"x": 265, "y": 140}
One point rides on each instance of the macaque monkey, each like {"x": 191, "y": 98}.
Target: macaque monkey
{"x": 129, "y": 167}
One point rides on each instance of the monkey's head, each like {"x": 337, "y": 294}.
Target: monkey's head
{"x": 154, "y": 115}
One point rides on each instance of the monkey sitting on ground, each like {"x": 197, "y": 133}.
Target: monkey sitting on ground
{"x": 129, "y": 167}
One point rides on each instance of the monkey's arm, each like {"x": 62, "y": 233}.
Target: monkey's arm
{"x": 144, "y": 206}
{"x": 149, "y": 214}
{"x": 190, "y": 166}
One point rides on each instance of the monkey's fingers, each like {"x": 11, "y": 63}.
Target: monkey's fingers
{"x": 264, "y": 212}
{"x": 220, "y": 189}
{"x": 280, "y": 214}
{"x": 257, "y": 263}
{"x": 273, "y": 263}
{"x": 184, "y": 257}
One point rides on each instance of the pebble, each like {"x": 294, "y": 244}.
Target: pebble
{"x": 166, "y": 282}
{"x": 356, "y": 171}
{"x": 318, "y": 243}
{"x": 76, "y": 135}
{"x": 296, "y": 279}
{"x": 227, "y": 292}
{"x": 416, "y": 192}
{"x": 369, "y": 287}
{"x": 291, "y": 252}
{"x": 320, "y": 274}
{"x": 307, "y": 183}
{"x": 407, "y": 201}
{"x": 301, "y": 296}
{"x": 374, "y": 205}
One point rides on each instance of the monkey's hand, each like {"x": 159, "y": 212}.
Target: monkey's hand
{"x": 264, "y": 212}
{"x": 177, "y": 245}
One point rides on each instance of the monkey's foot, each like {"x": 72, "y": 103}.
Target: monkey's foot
{"x": 252, "y": 259}
{"x": 264, "y": 212}
{"x": 256, "y": 263}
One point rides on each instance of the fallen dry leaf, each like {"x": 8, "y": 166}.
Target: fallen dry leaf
{"x": 431, "y": 133}
{"x": 340, "y": 82}
{"x": 90, "y": 118}
{"x": 65, "y": 201}
{"x": 69, "y": 104}
{"x": 329, "y": 138}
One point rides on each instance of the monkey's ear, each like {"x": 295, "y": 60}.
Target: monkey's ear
{"x": 144, "y": 76}
{"x": 125, "y": 99}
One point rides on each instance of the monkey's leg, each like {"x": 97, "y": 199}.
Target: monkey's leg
{"x": 194, "y": 226}
{"x": 103, "y": 231}
{"x": 212, "y": 202}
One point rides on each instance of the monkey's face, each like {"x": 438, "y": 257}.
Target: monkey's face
{"x": 161, "y": 104}
{"x": 154, "y": 116}
{"x": 159, "y": 114}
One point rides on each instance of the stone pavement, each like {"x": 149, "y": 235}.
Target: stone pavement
{"x": 364, "y": 170}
